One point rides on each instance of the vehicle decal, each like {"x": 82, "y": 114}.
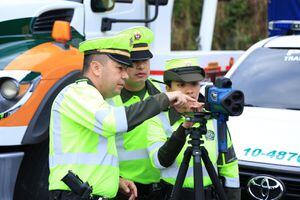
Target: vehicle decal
{"x": 14, "y": 47}
{"x": 16, "y": 27}
{"x": 292, "y": 55}
{"x": 285, "y": 156}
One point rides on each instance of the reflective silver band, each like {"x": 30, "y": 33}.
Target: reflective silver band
{"x": 60, "y": 158}
{"x": 154, "y": 146}
{"x": 132, "y": 155}
{"x": 166, "y": 124}
{"x": 232, "y": 182}
{"x": 172, "y": 171}
{"x": 83, "y": 159}
{"x": 156, "y": 161}
{"x": 121, "y": 119}
{"x": 56, "y": 128}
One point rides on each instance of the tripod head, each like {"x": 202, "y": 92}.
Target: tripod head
{"x": 200, "y": 117}
{"x": 196, "y": 133}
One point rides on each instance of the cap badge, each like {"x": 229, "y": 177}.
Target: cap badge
{"x": 210, "y": 135}
{"x": 137, "y": 36}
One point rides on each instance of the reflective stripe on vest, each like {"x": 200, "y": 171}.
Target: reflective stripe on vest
{"x": 155, "y": 147}
{"x": 129, "y": 154}
{"x": 124, "y": 154}
{"x": 172, "y": 171}
{"x": 166, "y": 123}
{"x": 232, "y": 182}
{"x": 99, "y": 158}
{"x": 120, "y": 115}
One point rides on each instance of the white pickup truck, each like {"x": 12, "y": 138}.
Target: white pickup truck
{"x": 266, "y": 136}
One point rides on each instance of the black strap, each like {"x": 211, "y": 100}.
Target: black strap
{"x": 69, "y": 195}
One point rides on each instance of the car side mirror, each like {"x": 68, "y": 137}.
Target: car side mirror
{"x": 102, "y": 5}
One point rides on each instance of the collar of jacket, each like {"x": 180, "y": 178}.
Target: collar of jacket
{"x": 149, "y": 87}
{"x": 84, "y": 78}
{"x": 174, "y": 116}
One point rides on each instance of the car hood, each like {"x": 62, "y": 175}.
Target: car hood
{"x": 267, "y": 136}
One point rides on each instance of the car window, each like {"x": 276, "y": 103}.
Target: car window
{"x": 270, "y": 78}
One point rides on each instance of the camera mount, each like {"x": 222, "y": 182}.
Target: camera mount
{"x": 198, "y": 151}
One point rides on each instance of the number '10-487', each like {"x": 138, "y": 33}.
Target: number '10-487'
{"x": 279, "y": 155}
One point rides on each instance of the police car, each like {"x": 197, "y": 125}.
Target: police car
{"x": 266, "y": 136}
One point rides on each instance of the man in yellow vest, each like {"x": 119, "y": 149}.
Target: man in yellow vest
{"x": 83, "y": 157}
{"x": 166, "y": 149}
{"x": 134, "y": 161}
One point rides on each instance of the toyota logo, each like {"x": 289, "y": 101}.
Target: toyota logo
{"x": 265, "y": 187}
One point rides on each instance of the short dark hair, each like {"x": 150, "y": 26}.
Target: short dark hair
{"x": 102, "y": 58}
{"x": 168, "y": 83}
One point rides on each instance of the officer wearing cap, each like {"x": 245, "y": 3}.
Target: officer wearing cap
{"x": 134, "y": 161}
{"x": 83, "y": 125}
{"x": 166, "y": 149}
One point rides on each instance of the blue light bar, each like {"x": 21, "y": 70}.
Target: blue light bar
{"x": 287, "y": 25}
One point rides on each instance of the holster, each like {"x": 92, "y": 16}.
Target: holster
{"x": 77, "y": 186}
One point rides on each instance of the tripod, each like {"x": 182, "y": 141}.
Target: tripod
{"x": 198, "y": 152}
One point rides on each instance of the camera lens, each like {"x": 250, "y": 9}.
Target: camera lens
{"x": 227, "y": 102}
{"x": 237, "y": 96}
{"x": 236, "y": 109}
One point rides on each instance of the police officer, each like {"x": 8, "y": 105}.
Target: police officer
{"x": 83, "y": 125}
{"x": 166, "y": 149}
{"x": 134, "y": 161}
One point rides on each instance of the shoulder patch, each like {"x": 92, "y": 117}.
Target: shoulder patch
{"x": 210, "y": 135}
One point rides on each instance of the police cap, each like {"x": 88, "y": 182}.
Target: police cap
{"x": 142, "y": 38}
{"x": 183, "y": 69}
{"x": 117, "y": 47}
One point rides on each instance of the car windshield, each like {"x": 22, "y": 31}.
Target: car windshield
{"x": 270, "y": 78}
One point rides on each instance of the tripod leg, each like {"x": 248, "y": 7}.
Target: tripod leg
{"x": 181, "y": 174}
{"x": 213, "y": 175}
{"x": 198, "y": 175}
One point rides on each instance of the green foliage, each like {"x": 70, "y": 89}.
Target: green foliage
{"x": 239, "y": 24}
{"x": 185, "y": 24}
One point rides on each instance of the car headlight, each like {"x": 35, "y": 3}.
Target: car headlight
{"x": 10, "y": 89}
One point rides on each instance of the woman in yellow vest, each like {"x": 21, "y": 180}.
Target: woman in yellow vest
{"x": 166, "y": 148}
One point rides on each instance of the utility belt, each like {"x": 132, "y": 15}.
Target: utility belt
{"x": 148, "y": 188}
{"x": 69, "y": 195}
{"x": 189, "y": 193}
